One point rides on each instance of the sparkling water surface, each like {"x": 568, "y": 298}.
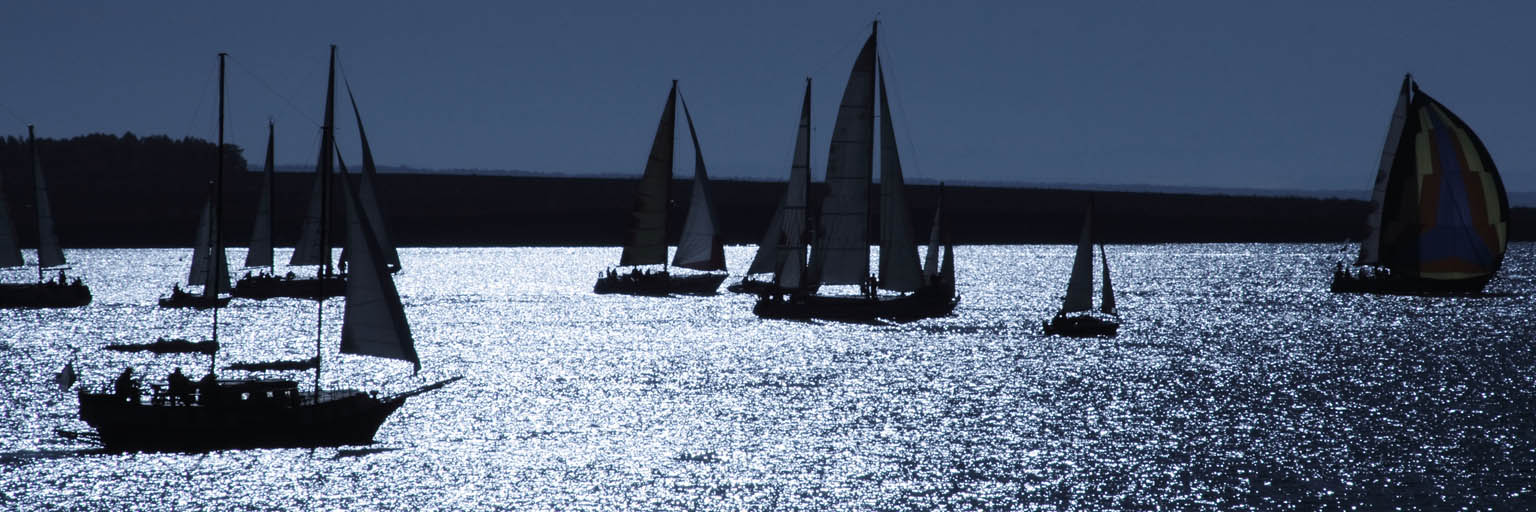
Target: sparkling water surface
{"x": 1237, "y": 382}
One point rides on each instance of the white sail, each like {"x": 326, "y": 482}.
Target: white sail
{"x": 260, "y": 253}
{"x": 197, "y": 275}
{"x": 767, "y": 259}
{"x": 1080, "y": 286}
{"x": 373, "y": 322}
{"x": 10, "y": 247}
{"x": 843, "y": 254}
{"x": 899, "y": 269}
{"x": 699, "y": 247}
{"x": 49, "y": 254}
{"x": 1108, "y": 304}
{"x": 790, "y": 265}
{"x": 1370, "y": 249}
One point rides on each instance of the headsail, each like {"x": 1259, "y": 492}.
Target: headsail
{"x": 366, "y": 195}
{"x": 646, "y": 243}
{"x": 206, "y": 250}
{"x": 260, "y": 253}
{"x": 373, "y": 322}
{"x": 1108, "y": 304}
{"x": 699, "y": 248}
{"x": 899, "y": 269}
{"x": 1370, "y": 248}
{"x": 843, "y": 253}
{"x": 10, "y": 247}
{"x": 931, "y": 263}
{"x": 767, "y": 259}
{"x": 313, "y": 247}
{"x": 49, "y": 253}
{"x": 793, "y": 235}
{"x": 1446, "y": 214}
{"x": 1080, "y": 286}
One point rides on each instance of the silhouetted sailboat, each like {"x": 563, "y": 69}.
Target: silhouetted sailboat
{"x": 209, "y": 268}
{"x": 781, "y": 253}
{"x": 841, "y": 252}
{"x": 260, "y": 255}
{"x": 1439, "y": 220}
{"x": 218, "y": 414}
{"x": 1077, "y": 317}
{"x": 45, "y": 293}
{"x": 699, "y": 247}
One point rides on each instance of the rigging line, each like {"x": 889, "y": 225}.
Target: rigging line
{"x": 828, "y": 59}
{"x": 197, "y": 111}
{"x": 274, "y": 92}
{"x": 13, "y": 113}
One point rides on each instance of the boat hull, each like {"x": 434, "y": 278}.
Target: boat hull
{"x": 659, "y": 283}
{"x": 180, "y": 299}
{"x": 755, "y": 287}
{"x": 266, "y": 287}
{"x": 236, "y": 420}
{"x": 1344, "y": 282}
{"x": 923, "y": 304}
{"x": 1082, "y": 326}
{"x": 44, "y": 295}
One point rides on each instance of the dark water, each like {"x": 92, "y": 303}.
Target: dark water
{"x": 1238, "y": 382}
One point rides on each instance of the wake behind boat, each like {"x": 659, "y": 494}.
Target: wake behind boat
{"x": 1439, "y": 220}
{"x": 699, "y": 248}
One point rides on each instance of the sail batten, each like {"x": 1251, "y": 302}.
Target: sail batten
{"x": 699, "y": 247}
{"x": 899, "y": 268}
{"x": 843, "y": 252}
{"x": 646, "y": 242}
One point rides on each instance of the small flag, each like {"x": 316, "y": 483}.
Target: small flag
{"x": 66, "y": 377}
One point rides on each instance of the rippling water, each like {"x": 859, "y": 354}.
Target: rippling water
{"x": 1238, "y": 382}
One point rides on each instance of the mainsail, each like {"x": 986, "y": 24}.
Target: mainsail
{"x": 899, "y": 269}
{"x": 843, "y": 251}
{"x": 373, "y": 322}
{"x": 49, "y": 254}
{"x": 260, "y": 253}
{"x": 1108, "y": 304}
{"x": 699, "y": 248}
{"x": 1370, "y": 249}
{"x": 931, "y": 263}
{"x": 206, "y": 249}
{"x": 792, "y": 235}
{"x": 646, "y": 243}
{"x": 313, "y": 247}
{"x": 1444, "y": 211}
{"x": 767, "y": 259}
{"x": 10, "y": 247}
{"x": 1080, "y": 286}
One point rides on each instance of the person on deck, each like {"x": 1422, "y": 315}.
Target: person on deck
{"x": 124, "y": 387}
{"x": 180, "y": 387}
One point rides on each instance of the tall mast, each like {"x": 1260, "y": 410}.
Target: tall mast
{"x": 271, "y": 175}
{"x": 667, "y": 215}
{"x": 327, "y": 142}
{"x": 32, "y": 149}
{"x": 218, "y": 217}
{"x": 874, "y": 39}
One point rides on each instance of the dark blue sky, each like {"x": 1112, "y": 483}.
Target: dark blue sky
{"x": 1284, "y": 95}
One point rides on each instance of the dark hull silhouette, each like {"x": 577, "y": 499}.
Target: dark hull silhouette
{"x": 48, "y": 294}
{"x": 1082, "y": 326}
{"x": 659, "y": 283}
{"x": 926, "y": 303}
{"x": 1344, "y": 282}
{"x": 265, "y": 287}
{"x": 182, "y": 299}
{"x": 240, "y": 414}
{"x": 755, "y": 287}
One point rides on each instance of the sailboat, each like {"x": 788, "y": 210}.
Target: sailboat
{"x": 782, "y": 251}
{"x": 313, "y": 249}
{"x": 1439, "y": 219}
{"x": 699, "y": 247}
{"x": 260, "y": 254}
{"x": 840, "y": 253}
{"x": 210, "y": 268}
{"x": 45, "y": 293}
{"x": 270, "y": 413}
{"x": 1077, "y": 317}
